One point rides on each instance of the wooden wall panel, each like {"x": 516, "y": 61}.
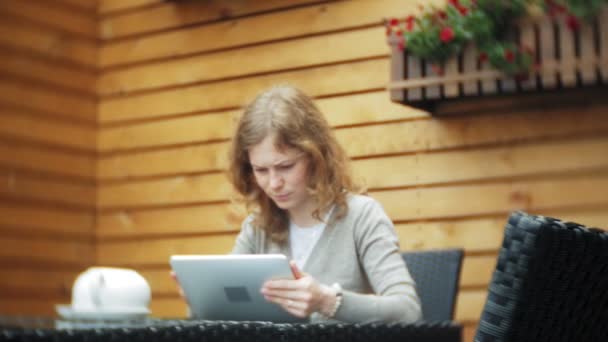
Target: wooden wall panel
{"x": 40, "y": 158}
{"x": 81, "y": 52}
{"x": 302, "y": 21}
{"x": 44, "y": 100}
{"x": 169, "y": 306}
{"x": 199, "y": 157}
{"x": 157, "y": 252}
{"x": 211, "y": 157}
{"x": 487, "y": 198}
{"x": 47, "y": 250}
{"x": 469, "y": 165}
{"x": 177, "y": 190}
{"x": 169, "y": 97}
{"x": 290, "y": 54}
{"x": 475, "y": 131}
{"x": 85, "y": 6}
{"x": 470, "y": 305}
{"x": 45, "y": 220}
{"x": 48, "y": 14}
{"x": 111, "y": 6}
{"x": 169, "y": 15}
{"x": 50, "y": 72}
{"x": 23, "y": 125}
{"x": 484, "y": 164}
{"x": 343, "y": 110}
{"x": 48, "y": 109}
{"x": 49, "y": 283}
{"x": 197, "y": 219}
{"x": 479, "y": 234}
{"x": 23, "y": 186}
{"x": 325, "y": 80}
{"x": 30, "y": 305}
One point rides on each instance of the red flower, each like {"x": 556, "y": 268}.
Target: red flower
{"x": 394, "y": 22}
{"x": 463, "y": 10}
{"x": 455, "y": 3}
{"x": 409, "y": 22}
{"x": 447, "y": 34}
{"x": 573, "y": 23}
{"x": 483, "y": 57}
{"x": 509, "y": 56}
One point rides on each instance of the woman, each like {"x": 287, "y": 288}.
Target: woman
{"x": 292, "y": 172}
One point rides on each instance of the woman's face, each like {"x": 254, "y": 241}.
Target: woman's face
{"x": 282, "y": 174}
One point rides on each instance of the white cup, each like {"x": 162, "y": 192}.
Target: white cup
{"x": 110, "y": 289}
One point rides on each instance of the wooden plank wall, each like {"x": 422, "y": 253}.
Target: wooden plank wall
{"x": 171, "y": 77}
{"x": 174, "y": 75}
{"x": 48, "y": 53}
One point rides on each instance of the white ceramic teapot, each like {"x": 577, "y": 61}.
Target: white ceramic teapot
{"x": 110, "y": 289}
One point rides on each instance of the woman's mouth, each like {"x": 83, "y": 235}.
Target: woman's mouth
{"x": 281, "y": 198}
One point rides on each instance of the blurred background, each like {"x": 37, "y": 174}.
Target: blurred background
{"x": 115, "y": 116}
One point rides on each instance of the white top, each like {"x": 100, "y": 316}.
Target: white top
{"x": 303, "y": 240}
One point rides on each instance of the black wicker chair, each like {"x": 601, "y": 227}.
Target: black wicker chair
{"x": 550, "y": 283}
{"x": 436, "y": 273}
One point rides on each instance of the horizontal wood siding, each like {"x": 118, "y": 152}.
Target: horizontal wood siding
{"x": 169, "y": 98}
{"x": 115, "y": 117}
{"x": 48, "y": 111}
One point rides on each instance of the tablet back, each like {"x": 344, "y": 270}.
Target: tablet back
{"x": 227, "y": 287}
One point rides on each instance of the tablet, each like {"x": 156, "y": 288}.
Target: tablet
{"x": 227, "y": 287}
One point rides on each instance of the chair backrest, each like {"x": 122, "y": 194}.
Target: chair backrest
{"x": 436, "y": 273}
{"x": 550, "y": 283}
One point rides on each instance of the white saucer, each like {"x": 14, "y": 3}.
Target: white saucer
{"x": 103, "y": 314}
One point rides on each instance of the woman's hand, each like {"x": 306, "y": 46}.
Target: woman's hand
{"x": 301, "y": 296}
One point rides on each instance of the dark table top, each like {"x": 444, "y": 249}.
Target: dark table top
{"x": 48, "y": 329}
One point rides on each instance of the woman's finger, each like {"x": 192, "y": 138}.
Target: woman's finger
{"x": 282, "y": 284}
{"x": 282, "y": 294}
{"x": 294, "y": 307}
{"x": 295, "y": 270}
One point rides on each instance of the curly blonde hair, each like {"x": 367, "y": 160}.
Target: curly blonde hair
{"x": 295, "y": 121}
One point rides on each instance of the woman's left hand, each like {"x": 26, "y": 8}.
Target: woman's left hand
{"x": 301, "y": 296}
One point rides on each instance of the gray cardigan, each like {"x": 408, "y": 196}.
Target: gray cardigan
{"x": 361, "y": 253}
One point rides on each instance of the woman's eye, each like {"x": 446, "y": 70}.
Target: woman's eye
{"x": 285, "y": 167}
{"x": 259, "y": 170}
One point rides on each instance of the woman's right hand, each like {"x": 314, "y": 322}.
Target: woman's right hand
{"x": 300, "y": 296}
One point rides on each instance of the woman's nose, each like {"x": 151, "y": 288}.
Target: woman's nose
{"x": 276, "y": 180}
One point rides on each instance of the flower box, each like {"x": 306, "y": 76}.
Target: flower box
{"x": 565, "y": 58}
